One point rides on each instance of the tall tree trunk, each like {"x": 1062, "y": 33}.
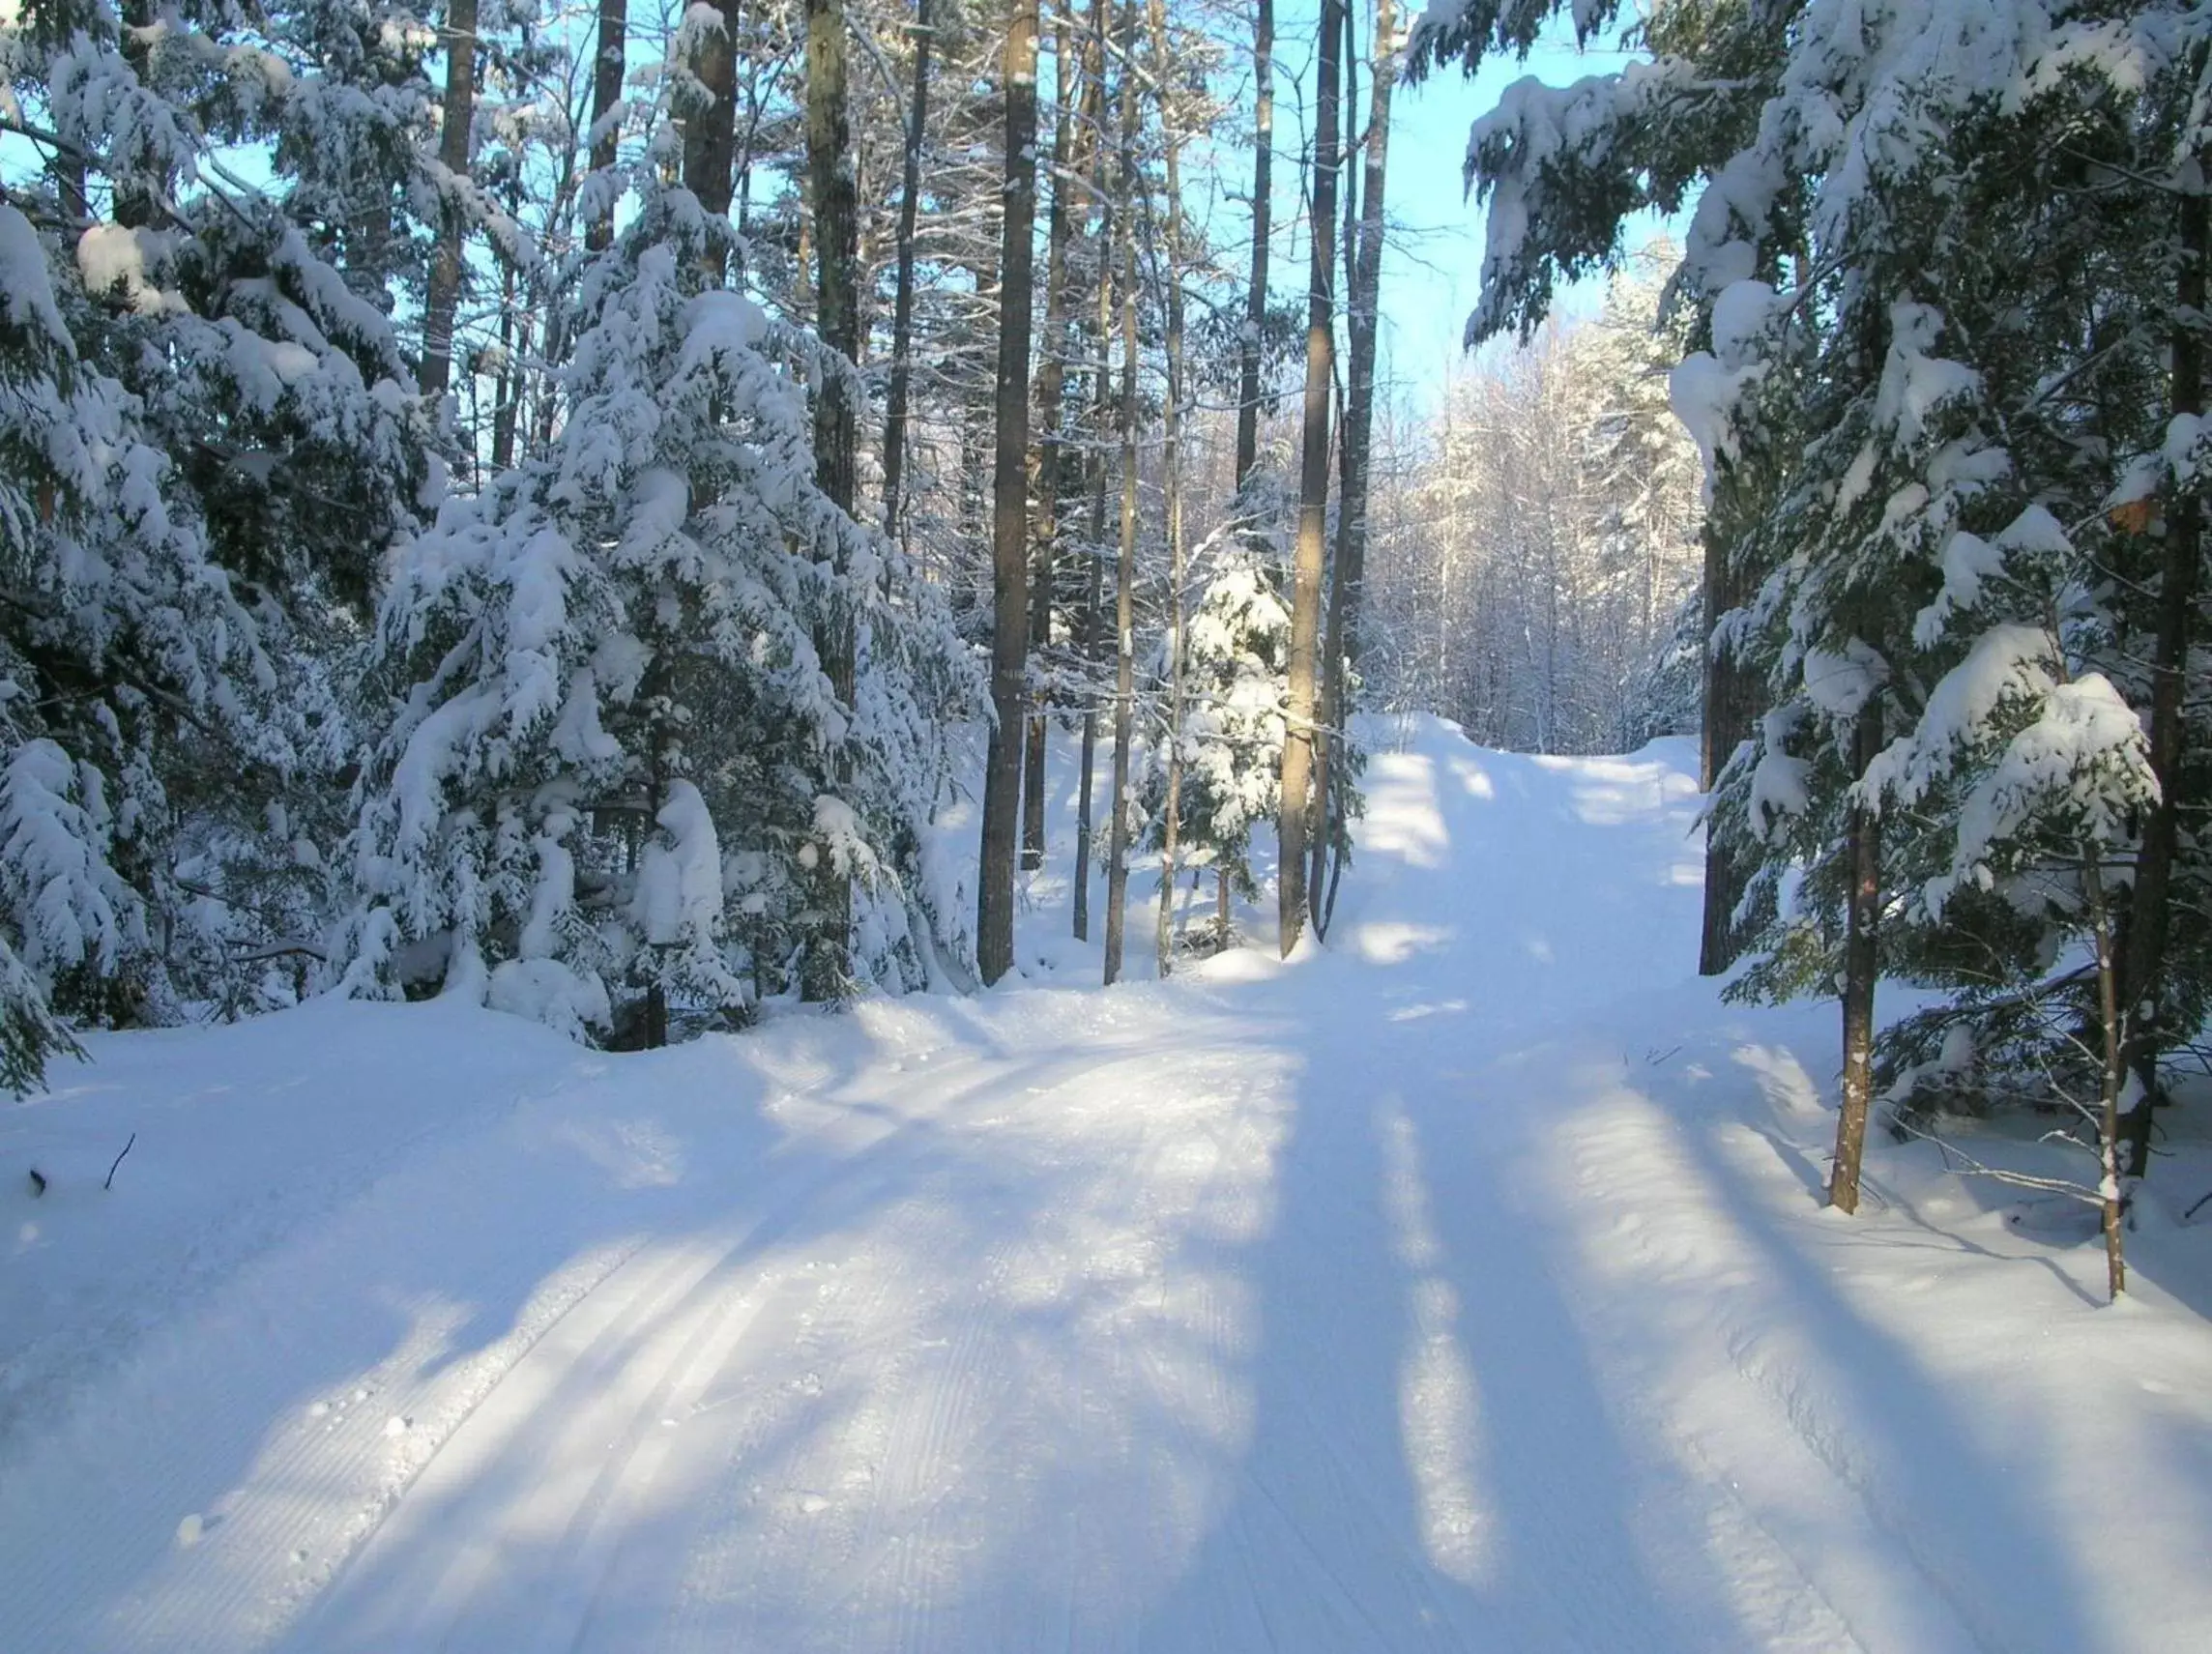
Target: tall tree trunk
{"x": 1256, "y": 289}
{"x": 1010, "y": 504}
{"x": 1862, "y": 849}
{"x": 1163, "y": 67}
{"x": 1125, "y": 619}
{"x": 1087, "y": 776}
{"x": 826, "y": 972}
{"x": 445, "y": 291}
{"x": 709, "y": 122}
{"x": 1325, "y": 670}
{"x": 1363, "y": 271}
{"x": 1094, "y": 464}
{"x": 711, "y": 130}
{"x": 513, "y": 335}
{"x": 1313, "y": 495}
{"x": 1047, "y": 456}
{"x": 2149, "y": 910}
{"x": 607, "y": 71}
{"x": 902, "y": 304}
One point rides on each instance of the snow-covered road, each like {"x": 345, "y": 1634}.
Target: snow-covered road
{"x": 1463, "y": 1286}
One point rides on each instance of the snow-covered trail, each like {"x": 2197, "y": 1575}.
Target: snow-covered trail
{"x": 1460, "y": 1288}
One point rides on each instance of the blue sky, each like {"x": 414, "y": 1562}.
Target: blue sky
{"x": 1433, "y": 262}
{"x": 1432, "y": 256}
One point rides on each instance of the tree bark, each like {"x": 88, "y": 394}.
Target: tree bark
{"x": 1125, "y": 623}
{"x": 2111, "y": 1076}
{"x": 2150, "y": 909}
{"x": 711, "y": 130}
{"x": 506, "y": 405}
{"x": 1731, "y": 699}
{"x": 1172, "y": 483}
{"x": 1048, "y": 454}
{"x": 1094, "y": 467}
{"x": 1862, "y": 848}
{"x": 1010, "y": 504}
{"x": 1363, "y": 271}
{"x": 826, "y": 972}
{"x": 443, "y": 299}
{"x": 1256, "y": 289}
{"x": 902, "y": 305}
{"x": 607, "y": 69}
{"x": 1313, "y": 495}
{"x": 1332, "y": 571}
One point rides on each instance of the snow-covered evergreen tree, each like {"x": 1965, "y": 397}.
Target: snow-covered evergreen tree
{"x": 214, "y": 443}
{"x": 1942, "y": 258}
{"x": 1237, "y": 654}
{"x": 617, "y": 756}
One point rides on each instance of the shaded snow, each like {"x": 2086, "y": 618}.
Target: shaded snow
{"x": 1461, "y": 1283}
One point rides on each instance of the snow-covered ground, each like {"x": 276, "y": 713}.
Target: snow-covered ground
{"x": 1463, "y": 1285}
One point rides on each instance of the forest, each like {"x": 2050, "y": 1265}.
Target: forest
{"x": 780, "y": 540}
{"x": 515, "y": 502}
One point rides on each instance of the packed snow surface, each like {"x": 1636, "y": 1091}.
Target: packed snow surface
{"x": 1461, "y": 1285}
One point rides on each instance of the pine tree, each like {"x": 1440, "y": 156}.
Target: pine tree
{"x": 621, "y": 758}
{"x": 1237, "y": 646}
{"x": 1934, "y": 326}
{"x": 226, "y": 444}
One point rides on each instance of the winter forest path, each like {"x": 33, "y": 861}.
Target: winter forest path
{"x": 1461, "y": 1287}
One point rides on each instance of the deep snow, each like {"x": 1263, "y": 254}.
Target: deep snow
{"x": 1462, "y": 1284}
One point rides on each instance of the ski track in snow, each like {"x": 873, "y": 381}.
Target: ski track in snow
{"x": 1462, "y": 1287}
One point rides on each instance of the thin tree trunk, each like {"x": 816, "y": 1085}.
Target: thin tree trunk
{"x": 1363, "y": 271}
{"x": 1172, "y": 480}
{"x": 1087, "y": 779}
{"x": 1862, "y": 848}
{"x": 1094, "y": 467}
{"x": 1730, "y": 697}
{"x": 2111, "y": 1079}
{"x": 1125, "y": 623}
{"x": 1334, "y": 573}
{"x": 902, "y": 305}
{"x": 1256, "y": 289}
{"x": 443, "y": 299}
{"x": 506, "y": 410}
{"x": 2148, "y": 918}
{"x": 826, "y": 972}
{"x": 607, "y": 71}
{"x": 1325, "y": 668}
{"x": 1009, "y": 503}
{"x": 1313, "y": 496}
{"x": 509, "y": 386}
{"x": 1048, "y": 454}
